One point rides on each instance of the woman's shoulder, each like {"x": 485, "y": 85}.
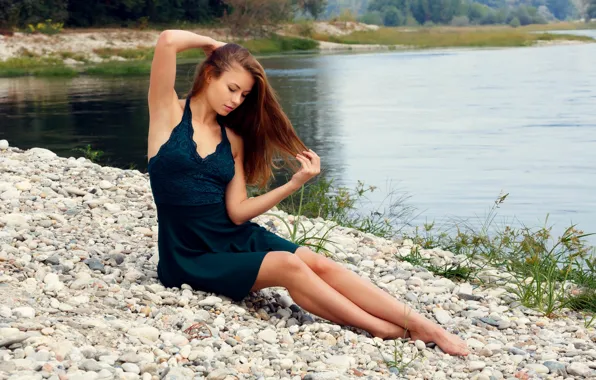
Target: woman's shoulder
{"x": 235, "y": 141}
{"x": 234, "y": 137}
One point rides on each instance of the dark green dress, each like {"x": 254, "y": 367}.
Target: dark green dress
{"x": 198, "y": 243}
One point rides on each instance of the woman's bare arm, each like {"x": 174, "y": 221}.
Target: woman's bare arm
{"x": 241, "y": 208}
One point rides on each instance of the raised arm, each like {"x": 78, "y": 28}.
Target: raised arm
{"x": 164, "y": 106}
{"x": 241, "y": 208}
{"x": 163, "y": 67}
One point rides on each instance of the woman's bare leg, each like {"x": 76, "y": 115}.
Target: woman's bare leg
{"x": 314, "y": 295}
{"x": 379, "y": 303}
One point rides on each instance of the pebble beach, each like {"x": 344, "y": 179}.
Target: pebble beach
{"x": 81, "y": 299}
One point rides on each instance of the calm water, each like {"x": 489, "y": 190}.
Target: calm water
{"x": 450, "y": 128}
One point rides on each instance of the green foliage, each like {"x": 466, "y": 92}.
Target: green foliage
{"x": 399, "y": 362}
{"x": 343, "y": 206}
{"x": 372, "y": 18}
{"x": 393, "y": 17}
{"x": 135, "y": 54}
{"x": 305, "y": 28}
{"x": 17, "y": 14}
{"x": 460, "y": 21}
{"x": 130, "y": 68}
{"x": 430, "y": 12}
{"x": 256, "y": 18}
{"x": 463, "y": 271}
{"x": 23, "y": 66}
{"x": 449, "y": 37}
{"x": 85, "y": 13}
{"x": 48, "y": 27}
{"x": 545, "y": 272}
{"x": 345, "y": 15}
{"x": 89, "y": 153}
{"x": 313, "y": 7}
{"x": 302, "y": 235}
{"x": 515, "y": 22}
{"x": 9, "y": 14}
{"x": 561, "y": 9}
{"x": 276, "y": 44}
{"x": 590, "y": 10}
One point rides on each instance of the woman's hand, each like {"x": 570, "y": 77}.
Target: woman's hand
{"x": 214, "y": 44}
{"x": 311, "y": 167}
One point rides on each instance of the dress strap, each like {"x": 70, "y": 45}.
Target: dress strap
{"x": 187, "y": 114}
{"x": 224, "y": 134}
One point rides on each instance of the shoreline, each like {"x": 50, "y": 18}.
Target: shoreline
{"x": 129, "y": 52}
{"x": 78, "y": 272}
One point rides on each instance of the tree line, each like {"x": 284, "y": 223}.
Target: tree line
{"x": 87, "y": 13}
{"x": 479, "y": 12}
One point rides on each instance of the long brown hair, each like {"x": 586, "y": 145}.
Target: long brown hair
{"x": 259, "y": 120}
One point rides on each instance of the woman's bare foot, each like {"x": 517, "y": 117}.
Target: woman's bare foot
{"x": 450, "y": 344}
{"x": 387, "y": 330}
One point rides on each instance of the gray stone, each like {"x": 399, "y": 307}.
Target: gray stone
{"x": 476, "y": 365}
{"x": 219, "y": 374}
{"x": 578, "y": 369}
{"x": 323, "y": 376}
{"x": 556, "y": 368}
{"x": 95, "y": 264}
{"x": 442, "y": 316}
{"x": 517, "y": 351}
{"x": 268, "y": 335}
{"x": 286, "y": 301}
{"x": 402, "y": 274}
{"x": 16, "y": 338}
{"x": 53, "y": 260}
{"x": 469, "y": 297}
{"x": 538, "y": 368}
{"x": 131, "y": 367}
{"x": 210, "y": 301}
{"x": 179, "y": 373}
{"x": 24, "y": 312}
{"x": 147, "y": 332}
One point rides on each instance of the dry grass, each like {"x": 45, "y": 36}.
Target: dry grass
{"x": 447, "y": 36}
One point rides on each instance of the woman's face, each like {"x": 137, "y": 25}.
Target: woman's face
{"x": 227, "y": 92}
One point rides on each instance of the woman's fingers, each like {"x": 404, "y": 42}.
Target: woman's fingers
{"x": 306, "y": 164}
{"x": 314, "y": 160}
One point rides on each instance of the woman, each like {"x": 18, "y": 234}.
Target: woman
{"x": 203, "y": 150}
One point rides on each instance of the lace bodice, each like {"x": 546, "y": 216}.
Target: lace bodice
{"x": 180, "y": 176}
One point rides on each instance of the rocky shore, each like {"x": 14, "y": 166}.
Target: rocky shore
{"x": 81, "y": 299}
{"x": 75, "y": 46}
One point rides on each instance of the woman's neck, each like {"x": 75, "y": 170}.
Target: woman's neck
{"x": 202, "y": 112}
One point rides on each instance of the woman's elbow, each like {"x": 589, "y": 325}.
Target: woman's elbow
{"x": 234, "y": 218}
{"x": 237, "y": 221}
{"x": 165, "y": 38}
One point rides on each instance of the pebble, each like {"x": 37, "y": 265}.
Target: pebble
{"x": 476, "y": 365}
{"x": 555, "y": 368}
{"x": 538, "y": 368}
{"x": 442, "y": 316}
{"x": 579, "y": 369}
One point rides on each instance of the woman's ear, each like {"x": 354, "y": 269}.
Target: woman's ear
{"x": 208, "y": 75}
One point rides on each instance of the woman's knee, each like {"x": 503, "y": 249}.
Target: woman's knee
{"x": 279, "y": 269}
{"x": 316, "y": 262}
